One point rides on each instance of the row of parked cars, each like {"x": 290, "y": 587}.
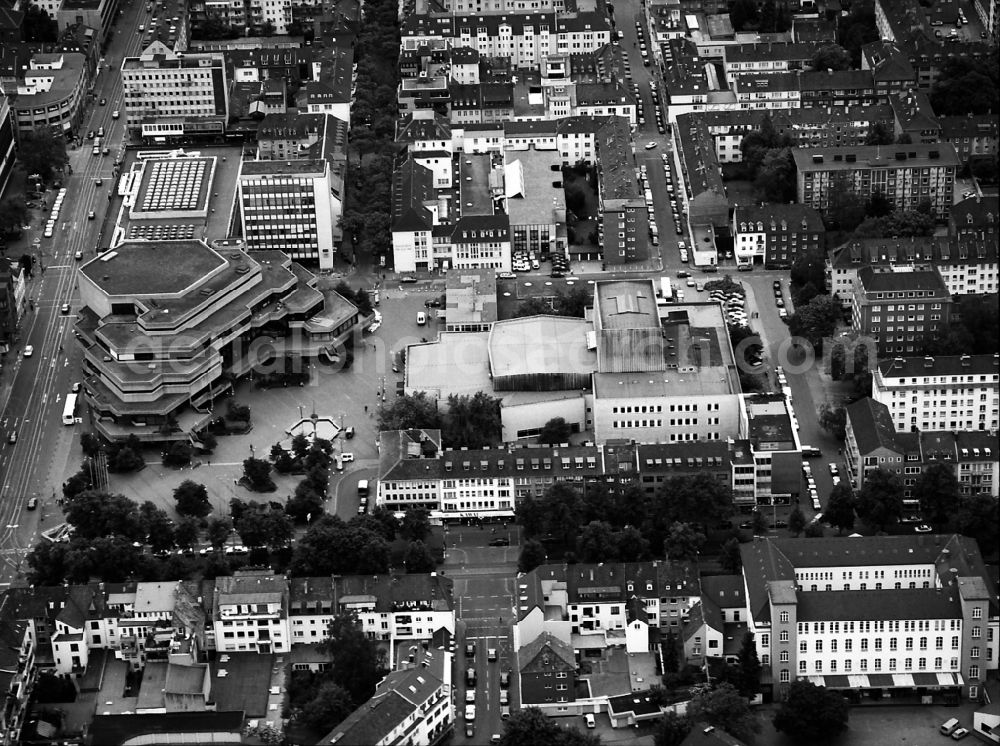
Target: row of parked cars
{"x": 674, "y": 209}
{"x": 471, "y": 692}
{"x": 54, "y": 215}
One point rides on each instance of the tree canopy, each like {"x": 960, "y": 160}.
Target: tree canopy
{"x": 416, "y": 410}
{"x": 332, "y": 547}
{"x": 966, "y": 85}
{"x": 530, "y": 727}
{"x": 831, "y": 57}
{"x": 192, "y": 499}
{"x": 472, "y": 421}
{"x": 880, "y": 501}
{"x": 42, "y": 153}
{"x": 938, "y": 491}
{"x": 817, "y": 320}
{"x": 812, "y": 714}
{"x": 840, "y": 505}
{"x": 724, "y": 708}
{"x": 897, "y": 224}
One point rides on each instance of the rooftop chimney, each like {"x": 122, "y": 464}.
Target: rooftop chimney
{"x": 966, "y": 361}
{"x": 928, "y": 362}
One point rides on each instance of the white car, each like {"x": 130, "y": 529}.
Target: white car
{"x": 115, "y": 114}
{"x": 78, "y": 255}
{"x": 650, "y": 145}
{"x": 345, "y": 457}
{"x": 374, "y": 326}
{"x": 29, "y": 350}
{"x": 48, "y": 232}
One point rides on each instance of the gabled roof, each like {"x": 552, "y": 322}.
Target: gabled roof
{"x": 977, "y": 212}
{"x": 412, "y": 185}
{"x": 939, "y": 365}
{"x": 872, "y": 425}
{"x": 409, "y": 454}
{"x": 546, "y": 654}
{"x": 872, "y": 281}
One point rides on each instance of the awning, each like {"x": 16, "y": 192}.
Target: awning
{"x": 902, "y": 679}
{"x": 880, "y": 680}
{"x": 926, "y": 679}
{"x": 838, "y": 682}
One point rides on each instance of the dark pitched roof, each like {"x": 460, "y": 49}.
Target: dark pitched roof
{"x": 872, "y": 425}
{"x": 873, "y": 281}
{"x": 546, "y": 653}
{"x": 409, "y": 454}
{"x": 412, "y": 185}
{"x": 939, "y": 365}
{"x": 916, "y": 603}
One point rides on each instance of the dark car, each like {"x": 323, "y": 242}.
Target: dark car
{"x": 103, "y": 101}
{"x": 557, "y": 273}
{"x": 470, "y": 649}
{"x": 408, "y": 278}
{"x": 779, "y": 524}
{"x": 432, "y": 303}
{"x": 349, "y": 432}
{"x": 746, "y": 524}
{"x": 682, "y": 274}
{"x": 501, "y": 542}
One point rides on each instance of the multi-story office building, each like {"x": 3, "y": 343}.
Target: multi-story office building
{"x": 899, "y": 310}
{"x": 171, "y": 96}
{"x": 905, "y": 174}
{"x": 873, "y": 617}
{"x": 775, "y": 235}
{"x": 872, "y": 442}
{"x": 52, "y": 93}
{"x": 953, "y": 392}
{"x": 967, "y": 265}
{"x": 187, "y": 331}
{"x": 291, "y": 198}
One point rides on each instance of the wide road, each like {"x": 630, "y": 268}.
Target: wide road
{"x": 34, "y": 465}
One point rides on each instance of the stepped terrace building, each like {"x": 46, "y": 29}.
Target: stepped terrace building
{"x": 159, "y": 347}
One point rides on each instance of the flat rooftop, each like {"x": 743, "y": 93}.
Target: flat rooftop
{"x": 456, "y": 363}
{"x": 541, "y": 344}
{"x": 179, "y": 184}
{"x": 474, "y": 184}
{"x": 533, "y": 185}
{"x": 627, "y": 304}
{"x": 137, "y": 268}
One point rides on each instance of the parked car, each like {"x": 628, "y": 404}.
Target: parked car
{"x": 408, "y": 279}
{"x": 32, "y": 503}
{"x": 29, "y": 350}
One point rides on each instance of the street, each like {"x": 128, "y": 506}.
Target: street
{"x": 35, "y": 394}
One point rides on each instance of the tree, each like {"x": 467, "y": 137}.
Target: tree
{"x": 331, "y": 547}
{"x": 724, "y": 708}
{"x": 257, "y": 475}
{"x": 597, "y": 543}
{"x": 750, "y": 668}
{"x": 796, "y": 521}
{"x": 472, "y": 421}
{"x": 809, "y": 268}
{"x": 530, "y": 727}
{"x": 966, "y": 85}
{"x": 833, "y": 419}
{"x": 42, "y": 153}
{"x": 845, "y": 209}
{"x": 817, "y": 320}
{"x": 534, "y": 306}
{"x": 977, "y": 517}
{"x": 48, "y": 564}
{"x": 300, "y": 447}
{"x": 410, "y": 411}
{"x": 416, "y": 524}
{"x": 264, "y": 526}
{"x": 683, "y": 541}
{"x": 218, "y": 531}
{"x": 186, "y": 532}
{"x": 880, "y": 501}
{"x": 700, "y": 500}
{"x": 306, "y": 504}
{"x": 533, "y": 554}
{"x": 363, "y": 301}
{"x": 812, "y": 714}
{"x": 672, "y": 730}
{"x": 939, "y": 494}
{"x": 157, "y": 527}
{"x": 730, "y": 557}
{"x": 357, "y": 664}
{"x": 238, "y": 412}
{"x": 632, "y": 545}
{"x": 879, "y": 134}
{"x": 857, "y": 29}
{"x": 192, "y": 499}
{"x": 554, "y": 432}
{"x": 743, "y": 14}
{"x": 775, "y": 180}
{"x": 125, "y": 456}
{"x": 840, "y": 508}
{"x": 94, "y": 514}
{"x": 759, "y": 522}
{"x": 13, "y": 214}
{"x": 418, "y": 558}
{"x": 897, "y": 224}
{"x": 831, "y": 57}
{"x": 178, "y": 454}
{"x": 38, "y": 26}
{"x": 327, "y": 709}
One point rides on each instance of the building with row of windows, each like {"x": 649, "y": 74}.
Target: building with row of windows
{"x": 52, "y": 93}
{"x": 872, "y": 442}
{"x": 775, "y": 235}
{"x": 162, "y": 348}
{"x": 899, "y": 311}
{"x": 967, "y": 265}
{"x": 946, "y": 392}
{"x": 874, "y": 618}
{"x": 905, "y": 174}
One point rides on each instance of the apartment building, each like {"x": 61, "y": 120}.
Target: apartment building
{"x": 414, "y": 704}
{"x": 873, "y": 443}
{"x": 526, "y": 38}
{"x": 874, "y": 617}
{"x": 717, "y": 622}
{"x": 171, "y": 96}
{"x": 906, "y": 174}
{"x": 772, "y": 92}
{"x": 739, "y": 59}
{"x": 773, "y": 449}
{"x": 914, "y": 117}
{"x": 250, "y": 612}
{"x": 626, "y": 225}
{"x": 8, "y": 139}
{"x": 659, "y": 462}
{"x": 595, "y": 599}
{"x": 209, "y": 309}
{"x": 890, "y": 67}
{"x": 971, "y": 135}
{"x": 967, "y": 265}
{"x": 291, "y": 198}
{"x": 775, "y": 235}
{"x": 834, "y": 88}
{"x": 976, "y": 218}
{"x": 953, "y": 392}
{"x": 899, "y": 310}
{"x": 52, "y": 93}
{"x": 695, "y": 161}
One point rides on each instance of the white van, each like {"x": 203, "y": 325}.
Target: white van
{"x": 949, "y": 726}
{"x": 421, "y": 318}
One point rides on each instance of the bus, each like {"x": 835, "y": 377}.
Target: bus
{"x": 69, "y": 411}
